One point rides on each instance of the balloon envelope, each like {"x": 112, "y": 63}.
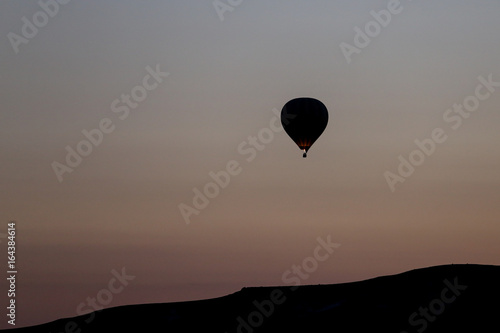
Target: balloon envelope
{"x": 304, "y": 120}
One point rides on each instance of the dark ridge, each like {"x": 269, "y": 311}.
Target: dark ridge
{"x": 449, "y": 298}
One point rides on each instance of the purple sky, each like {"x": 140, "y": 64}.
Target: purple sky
{"x": 172, "y": 91}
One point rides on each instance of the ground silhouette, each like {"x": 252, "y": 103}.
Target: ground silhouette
{"x": 448, "y": 298}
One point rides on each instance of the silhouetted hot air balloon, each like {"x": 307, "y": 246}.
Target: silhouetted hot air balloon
{"x": 304, "y": 119}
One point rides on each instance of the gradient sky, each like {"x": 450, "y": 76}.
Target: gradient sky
{"x": 120, "y": 206}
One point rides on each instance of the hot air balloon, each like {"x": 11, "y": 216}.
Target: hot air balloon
{"x": 304, "y": 120}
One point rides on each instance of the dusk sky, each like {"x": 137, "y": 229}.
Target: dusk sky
{"x": 406, "y": 174}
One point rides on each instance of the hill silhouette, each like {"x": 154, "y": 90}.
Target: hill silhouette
{"x": 448, "y": 298}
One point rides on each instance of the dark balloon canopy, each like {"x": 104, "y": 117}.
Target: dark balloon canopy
{"x": 304, "y": 120}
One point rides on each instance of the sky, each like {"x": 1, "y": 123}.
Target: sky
{"x": 143, "y": 160}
